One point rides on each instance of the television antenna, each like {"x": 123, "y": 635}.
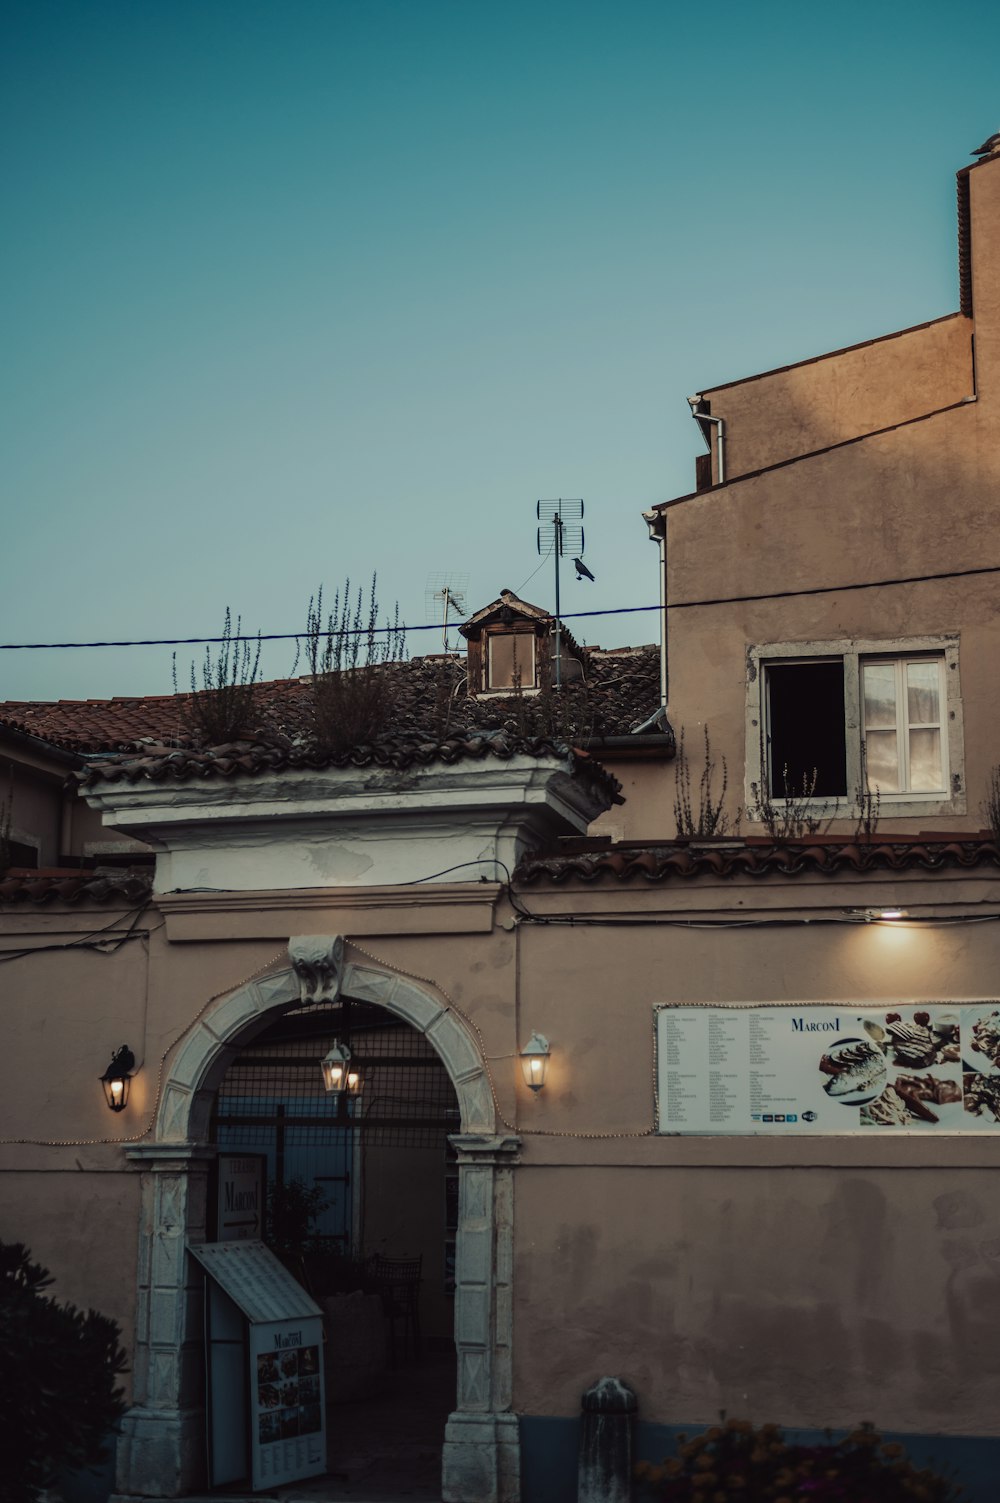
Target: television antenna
{"x": 560, "y": 535}
{"x": 444, "y": 600}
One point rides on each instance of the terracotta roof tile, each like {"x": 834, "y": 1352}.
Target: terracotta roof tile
{"x": 673, "y": 860}
{"x": 428, "y": 693}
{"x": 128, "y": 889}
{"x": 250, "y": 757}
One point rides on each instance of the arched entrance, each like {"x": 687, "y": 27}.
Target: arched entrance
{"x": 161, "y": 1449}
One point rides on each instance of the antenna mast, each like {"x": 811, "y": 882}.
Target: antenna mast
{"x": 560, "y": 532}
{"x": 446, "y": 593}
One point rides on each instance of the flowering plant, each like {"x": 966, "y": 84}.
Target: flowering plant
{"x": 735, "y": 1462}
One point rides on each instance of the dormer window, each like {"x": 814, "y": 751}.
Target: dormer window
{"x": 511, "y": 643}
{"x": 510, "y": 660}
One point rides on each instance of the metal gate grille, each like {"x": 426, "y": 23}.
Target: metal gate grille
{"x": 275, "y": 1084}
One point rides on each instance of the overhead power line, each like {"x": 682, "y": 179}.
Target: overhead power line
{"x": 621, "y": 610}
{"x": 272, "y": 636}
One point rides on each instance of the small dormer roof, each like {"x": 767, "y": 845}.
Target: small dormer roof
{"x": 508, "y": 608}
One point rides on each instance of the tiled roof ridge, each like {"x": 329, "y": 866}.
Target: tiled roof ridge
{"x": 668, "y": 860}
{"x": 251, "y": 757}
{"x": 22, "y": 885}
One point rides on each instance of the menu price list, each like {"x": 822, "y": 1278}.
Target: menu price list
{"x": 829, "y": 1069}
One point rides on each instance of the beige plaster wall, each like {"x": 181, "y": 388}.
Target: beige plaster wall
{"x": 814, "y": 1296}
{"x": 648, "y": 810}
{"x": 919, "y": 500}
{"x": 785, "y": 413}
{"x": 809, "y": 1281}
{"x": 35, "y": 803}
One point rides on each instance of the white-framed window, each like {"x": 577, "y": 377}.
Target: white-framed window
{"x": 510, "y": 660}
{"x": 834, "y": 718}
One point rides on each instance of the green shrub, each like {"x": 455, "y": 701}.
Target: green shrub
{"x": 58, "y": 1368}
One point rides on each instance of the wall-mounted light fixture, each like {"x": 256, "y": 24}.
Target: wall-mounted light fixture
{"x": 339, "y": 1074}
{"x": 534, "y": 1061}
{"x": 117, "y": 1077}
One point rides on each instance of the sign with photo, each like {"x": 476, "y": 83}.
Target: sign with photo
{"x": 905, "y": 1067}
{"x": 288, "y": 1436}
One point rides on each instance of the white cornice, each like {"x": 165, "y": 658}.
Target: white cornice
{"x": 351, "y": 827}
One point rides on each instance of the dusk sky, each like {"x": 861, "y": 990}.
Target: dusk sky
{"x": 295, "y": 291}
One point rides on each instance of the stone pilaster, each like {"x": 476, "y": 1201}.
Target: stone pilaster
{"x": 481, "y": 1462}
{"x": 161, "y": 1447}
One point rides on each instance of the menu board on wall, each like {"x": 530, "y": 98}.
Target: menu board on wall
{"x": 288, "y": 1437}
{"x": 908, "y": 1067}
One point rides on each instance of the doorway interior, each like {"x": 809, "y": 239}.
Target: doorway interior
{"x": 362, "y": 1207}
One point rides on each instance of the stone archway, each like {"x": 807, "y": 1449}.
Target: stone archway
{"x": 161, "y": 1447}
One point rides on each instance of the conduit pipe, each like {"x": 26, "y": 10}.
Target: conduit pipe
{"x": 696, "y": 403}
{"x": 657, "y": 523}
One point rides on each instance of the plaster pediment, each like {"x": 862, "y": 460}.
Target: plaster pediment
{"x": 350, "y": 826}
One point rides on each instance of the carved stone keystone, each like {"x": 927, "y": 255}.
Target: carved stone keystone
{"x": 318, "y": 962}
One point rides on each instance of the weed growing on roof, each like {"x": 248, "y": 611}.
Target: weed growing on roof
{"x": 225, "y": 705}
{"x": 348, "y": 655}
{"x": 794, "y": 815}
{"x": 710, "y": 817}
{"x": 867, "y": 807}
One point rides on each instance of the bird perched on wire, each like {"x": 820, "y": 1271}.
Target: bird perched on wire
{"x": 582, "y": 572}
{"x": 990, "y": 147}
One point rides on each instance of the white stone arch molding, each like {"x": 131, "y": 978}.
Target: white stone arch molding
{"x": 160, "y": 1438}
{"x": 318, "y": 973}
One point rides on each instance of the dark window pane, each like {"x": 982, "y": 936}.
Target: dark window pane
{"x": 511, "y": 660}
{"x": 806, "y": 729}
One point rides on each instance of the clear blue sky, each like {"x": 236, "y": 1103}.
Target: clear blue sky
{"x": 297, "y": 290}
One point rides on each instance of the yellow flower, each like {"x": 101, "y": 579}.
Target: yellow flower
{"x": 673, "y": 1467}
{"x": 713, "y": 1434}
{"x": 892, "y": 1448}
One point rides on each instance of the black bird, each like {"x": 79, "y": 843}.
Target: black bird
{"x": 989, "y": 146}
{"x": 582, "y": 572}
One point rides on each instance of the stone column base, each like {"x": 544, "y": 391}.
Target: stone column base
{"x": 482, "y": 1459}
{"x": 161, "y": 1452}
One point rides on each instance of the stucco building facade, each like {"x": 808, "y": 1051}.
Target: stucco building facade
{"x": 830, "y": 617}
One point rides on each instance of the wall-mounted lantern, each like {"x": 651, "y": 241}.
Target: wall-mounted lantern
{"x": 535, "y": 1060}
{"x": 117, "y": 1077}
{"x": 339, "y": 1074}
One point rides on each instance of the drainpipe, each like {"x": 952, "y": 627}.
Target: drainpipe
{"x": 701, "y": 415}
{"x": 657, "y": 523}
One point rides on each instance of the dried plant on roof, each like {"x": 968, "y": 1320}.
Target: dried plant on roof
{"x": 349, "y": 657}
{"x": 794, "y": 815}
{"x": 225, "y": 705}
{"x": 709, "y": 816}
{"x": 867, "y": 808}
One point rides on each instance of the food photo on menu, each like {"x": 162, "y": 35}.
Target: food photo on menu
{"x": 918, "y": 1067}
{"x": 982, "y": 1053}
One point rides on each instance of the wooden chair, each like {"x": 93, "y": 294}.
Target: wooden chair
{"x": 397, "y": 1281}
